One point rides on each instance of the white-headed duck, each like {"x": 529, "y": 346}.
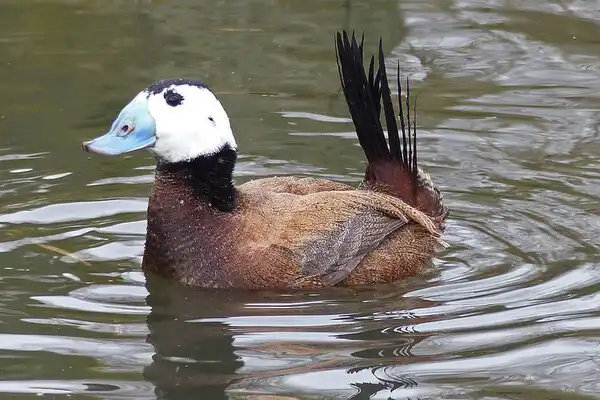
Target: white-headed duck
{"x": 280, "y": 232}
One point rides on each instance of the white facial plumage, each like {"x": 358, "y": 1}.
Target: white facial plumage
{"x": 196, "y": 125}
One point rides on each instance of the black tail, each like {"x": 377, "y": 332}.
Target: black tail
{"x": 392, "y": 165}
{"x": 364, "y": 96}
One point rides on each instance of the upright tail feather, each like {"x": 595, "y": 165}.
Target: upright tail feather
{"x": 392, "y": 165}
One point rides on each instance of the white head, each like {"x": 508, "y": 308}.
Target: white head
{"x": 176, "y": 119}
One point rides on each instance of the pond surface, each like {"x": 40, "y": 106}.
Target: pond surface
{"x": 508, "y": 94}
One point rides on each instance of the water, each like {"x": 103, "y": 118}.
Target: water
{"x": 508, "y": 97}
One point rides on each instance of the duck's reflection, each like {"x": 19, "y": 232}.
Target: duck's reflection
{"x": 189, "y": 358}
{"x": 215, "y": 343}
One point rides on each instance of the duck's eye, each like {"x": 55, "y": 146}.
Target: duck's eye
{"x": 173, "y": 99}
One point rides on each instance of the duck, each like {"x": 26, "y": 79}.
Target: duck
{"x": 281, "y": 232}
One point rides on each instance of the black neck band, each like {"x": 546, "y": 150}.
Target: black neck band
{"x": 210, "y": 176}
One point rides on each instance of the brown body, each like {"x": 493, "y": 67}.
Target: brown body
{"x": 286, "y": 232}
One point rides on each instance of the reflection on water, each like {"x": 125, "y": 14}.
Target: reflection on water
{"x": 508, "y": 98}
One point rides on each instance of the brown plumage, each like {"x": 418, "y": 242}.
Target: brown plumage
{"x": 307, "y": 232}
{"x": 302, "y": 232}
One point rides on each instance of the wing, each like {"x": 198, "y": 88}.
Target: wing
{"x": 328, "y": 233}
{"x": 292, "y": 185}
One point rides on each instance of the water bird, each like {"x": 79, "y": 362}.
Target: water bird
{"x": 280, "y": 232}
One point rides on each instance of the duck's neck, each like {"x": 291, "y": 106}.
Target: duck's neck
{"x": 210, "y": 177}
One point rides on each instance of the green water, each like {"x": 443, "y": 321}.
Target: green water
{"x": 508, "y": 96}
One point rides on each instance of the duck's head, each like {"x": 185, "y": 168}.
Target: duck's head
{"x": 176, "y": 119}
